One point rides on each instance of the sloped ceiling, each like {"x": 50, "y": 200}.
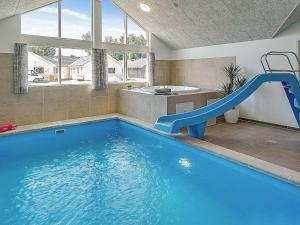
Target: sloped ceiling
{"x": 195, "y": 23}
{"x": 13, "y": 7}
{"x": 291, "y": 19}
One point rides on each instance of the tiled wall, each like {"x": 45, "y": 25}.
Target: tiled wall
{"x": 204, "y": 73}
{"x": 52, "y": 103}
{"x": 162, "y": 72}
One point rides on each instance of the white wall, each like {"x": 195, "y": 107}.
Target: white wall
{"x": 161, "y": 50}
{"x": 10, "y": 30}
{"x": 269, "y": 103}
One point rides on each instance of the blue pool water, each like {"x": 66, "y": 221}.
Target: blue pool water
{"x": 111, "y": 172}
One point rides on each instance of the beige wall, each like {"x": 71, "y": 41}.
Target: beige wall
{"x": 162, "y": 72}
{"x": 52, "y": 103}
{"x": 204, "y": 73}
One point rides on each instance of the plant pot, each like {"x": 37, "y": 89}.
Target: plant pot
{"x": 232, "y": 116}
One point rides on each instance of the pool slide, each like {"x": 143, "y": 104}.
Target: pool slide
{"x": 196, "y": 120}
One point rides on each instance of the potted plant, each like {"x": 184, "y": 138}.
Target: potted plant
{"x": 236, "y": 80}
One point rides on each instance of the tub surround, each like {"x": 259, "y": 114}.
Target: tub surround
{"x": 149, "y": 107}
{"x": 207, "y": 74}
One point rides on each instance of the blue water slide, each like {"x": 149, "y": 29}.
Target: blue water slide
{"x": 196, "y": 120}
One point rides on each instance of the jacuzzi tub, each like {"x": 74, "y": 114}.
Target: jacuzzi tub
{"x": 175, "y": 89}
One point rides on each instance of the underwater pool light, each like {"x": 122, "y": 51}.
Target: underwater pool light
{"x": 185, "y": 163}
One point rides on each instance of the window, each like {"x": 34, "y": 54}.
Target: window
{"x": 112, "y": 23}
{"x": 76, "y": 66}
{"x": 42, "y": 22}
{"x": 115, "y": 62}
{"x": 111, "y": 70}
{"x": 39, "y": 69}
{"x": 76, "y": 19}
{"x": 136, "y": 66}
{"x": 42, "y": 65}
{"x": 69, "y": 19}
{"x": 135, "y": 34}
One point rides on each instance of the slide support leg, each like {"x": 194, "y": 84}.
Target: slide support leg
{"x": 197, "y": 131}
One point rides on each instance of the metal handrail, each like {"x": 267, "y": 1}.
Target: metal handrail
{"x": 267, "y": 68}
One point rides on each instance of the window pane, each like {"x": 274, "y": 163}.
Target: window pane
{"x": 75, "y": 66}
{"x": 136, "y": 35}
{"x": 136, "y": 66}
{"x": 112, "y": 23}
{"x": 115, "y": 65}
{"x": 42, "y": 22}
{"x": 42, "y": 65}
{"x": 76, "y": 19}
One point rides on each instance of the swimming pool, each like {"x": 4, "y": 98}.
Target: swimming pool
{"x": 112, "y": 172}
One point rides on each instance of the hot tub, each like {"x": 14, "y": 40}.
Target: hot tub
{"x": 145, "y": 105}
{"x": 174, "y": 89}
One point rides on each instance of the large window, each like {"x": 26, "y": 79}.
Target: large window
{"x": 112, "y": 23}
{"x": 76, "y": 19}
{"x": 48, "y": 65}
{"x": 75, "y": 66}
{"x": 136, "y": 66}
{"x": 42, "y": 65}
{"x": 115, "y": 64}
{"x": 42, "y": 22}
{"x": 135, "y": 34}
{"x": 69, "y": 61}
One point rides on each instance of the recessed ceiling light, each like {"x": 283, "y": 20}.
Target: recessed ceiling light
{"x": 145, "y": 7}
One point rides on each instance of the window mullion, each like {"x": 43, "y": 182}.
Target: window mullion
{"x": 59, "y": 36}
{"x": 125, "y": 42}
{"x": 125, "y": 28}
{"x": 125, "y": 67}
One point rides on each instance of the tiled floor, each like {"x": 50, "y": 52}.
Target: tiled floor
{"x": 272, "y": 144}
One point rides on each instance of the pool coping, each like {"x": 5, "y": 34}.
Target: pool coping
{"x": 271, "y": 169}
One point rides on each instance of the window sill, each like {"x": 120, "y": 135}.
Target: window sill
{"x": 82, "y": 84}
{"x": 56, "y": 84}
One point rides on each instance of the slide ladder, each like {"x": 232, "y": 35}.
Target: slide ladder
{"x": 196, "y": 120}
{"x": 289, "y": 93}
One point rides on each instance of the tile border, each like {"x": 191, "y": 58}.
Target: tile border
{"x": 259, "y": 165}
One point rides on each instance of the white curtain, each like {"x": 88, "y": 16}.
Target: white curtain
{"x": 99, "y": 71}
{"x": 20, "y": 68}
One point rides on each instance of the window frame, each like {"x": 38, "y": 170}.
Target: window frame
{"x": 96, "y": 42}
